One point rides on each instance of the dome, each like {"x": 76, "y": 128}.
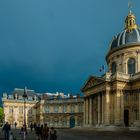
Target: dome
{"x": 126, "y": 38}
{"x": 130, "y": 35}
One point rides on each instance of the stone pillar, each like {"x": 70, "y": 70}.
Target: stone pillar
{"x": 139, "y": 109}
{"x": 90, "y": 111}
{"x": 84, "y": 117}
{"x": 99, "y": 115}
{"x": 122, "y": 108}
{"x": 118, "y": 108}
{"x": 102, "y": 108}
{"x": 107, "y": 108}
{"x": 86, "y": 111}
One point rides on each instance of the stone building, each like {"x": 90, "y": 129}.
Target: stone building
{"x": 61, "y": 111}
{"x": 13, "y": 106}
{"x": 114, "y": 98}
{"x": 57, "y": 110}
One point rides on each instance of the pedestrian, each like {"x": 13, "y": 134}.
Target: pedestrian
{"x": 6, "y": 128}
{"x": 15, "y": 124}
{"x": 37, "y": 131}
{"x": 12, "y": 137}
{"x": 31, "y": 127}
{"x": 34, "y": 126}
{"x": 53, "y": 135}
{"x": 41, "y": 130}
{"x": 45, "y": 132}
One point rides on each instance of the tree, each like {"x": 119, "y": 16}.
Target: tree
{"x": 1, "y": 115}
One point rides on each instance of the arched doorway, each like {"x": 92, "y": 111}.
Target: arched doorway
{"x": 72, "y": 121}
{"x": 126, "y": 118}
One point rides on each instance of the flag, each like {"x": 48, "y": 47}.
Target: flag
{"x": 102, "y": 68}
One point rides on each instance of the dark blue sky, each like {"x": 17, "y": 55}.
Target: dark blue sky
{"x": 55, "y": 45}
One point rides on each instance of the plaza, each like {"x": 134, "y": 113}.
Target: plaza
{"x": 86, "y": 134}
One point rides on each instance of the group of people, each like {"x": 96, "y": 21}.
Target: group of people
{"x": 43, "y": 132}
{"x": 7, "y": 134}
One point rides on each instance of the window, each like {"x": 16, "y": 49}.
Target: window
{"x": 64, "y": 108}
{"x": 136, "y": 96}
{"x": 64, "y": 121}
{"x": 80, "y": 107}
{"x": 131, "y": 66}
{"x": 136, "y": 115}
{"x": 10, "y": 109}
{"x": 113, "y": 67}
{"x": 72, "y": 109}
{"x": 47, "y": 109}
{"x": 56, "y": 108}
{"x": 125, "y": 97}
{"x": 20, "y": 109}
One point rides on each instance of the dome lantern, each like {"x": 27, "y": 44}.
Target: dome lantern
{"x": 130, "y": 22}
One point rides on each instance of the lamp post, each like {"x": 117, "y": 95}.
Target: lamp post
{"x": 25, "y": 97}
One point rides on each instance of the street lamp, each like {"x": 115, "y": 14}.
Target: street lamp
{"x": 25, "y": 97}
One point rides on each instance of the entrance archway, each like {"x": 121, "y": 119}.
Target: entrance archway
{"x": 126, "y": 117}
{"x": 72, "y": 121}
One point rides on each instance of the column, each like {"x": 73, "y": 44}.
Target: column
{"x": 117, "y": 108}
{"x": 139, "y": 108}
{"x": 107, "y": 109}
{"x": 99, "y": 115}
{"x": 84, "y": 120}
{"x": 86, "y": 111}
{"x": 102, "y": 108}
{"x": 90, "y": 110}
{"x": 122, "y": 108}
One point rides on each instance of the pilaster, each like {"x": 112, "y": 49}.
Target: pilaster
{"x": 90, "y": 111}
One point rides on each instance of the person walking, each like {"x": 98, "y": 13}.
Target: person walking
{"x": 45, "y": 132}
{"x": 31, "y": 127}
{"x": 53, "y": 135}
{"x": 6, "y": 128}
{"x": 15, "y": 125}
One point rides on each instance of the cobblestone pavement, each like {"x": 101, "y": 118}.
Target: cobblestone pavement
{"x": 84, "y": 134}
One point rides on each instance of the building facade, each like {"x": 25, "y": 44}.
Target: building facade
{"x": 114, "y": 98}
{"x": 13, "y": 106}
{"x": 55, "y": 109}
{"x": 60, "y": 111}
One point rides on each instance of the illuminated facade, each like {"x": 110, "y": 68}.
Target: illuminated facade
{"x": 60, "y": 111}
{"x": 13, "y": 106}
{"x": 114, "y": 98}
{"x": 57, "y": 110}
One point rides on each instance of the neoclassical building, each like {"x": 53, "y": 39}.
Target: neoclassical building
{"x": 114, "y": 98}
{"x": 60, "y": 111}
{"x": 13, "y": 106}
{"x": 55, "y": 109}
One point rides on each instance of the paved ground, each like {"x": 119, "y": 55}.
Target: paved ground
{"x": 86, "y": 134}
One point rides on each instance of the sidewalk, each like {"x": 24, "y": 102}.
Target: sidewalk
{"x": 107, "y": 128}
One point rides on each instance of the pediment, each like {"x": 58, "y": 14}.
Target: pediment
{"x": 91, "y": 82}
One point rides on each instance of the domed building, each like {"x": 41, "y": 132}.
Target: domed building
{"x": 114, "y": 98}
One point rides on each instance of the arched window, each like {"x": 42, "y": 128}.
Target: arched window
{"x": 131, "y": 66}
{"x": 113, "y": 67}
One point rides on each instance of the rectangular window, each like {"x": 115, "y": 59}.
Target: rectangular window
{"x": 125, "y": 97}
{"x": 72, "y": 109}
{"x": 56, "y": 108}
{"x": 136, "y": 114}
{"x": 47, "y": 109}
{"x": 64, "y": 108}
{"x": 20, "y": 109}
{"x": 135, "y": 97}
{"x": 10, "y": 109}
{"x": 80, "y": 107}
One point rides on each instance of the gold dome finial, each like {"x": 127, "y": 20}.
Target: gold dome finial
{"x": 130, "y": 21}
